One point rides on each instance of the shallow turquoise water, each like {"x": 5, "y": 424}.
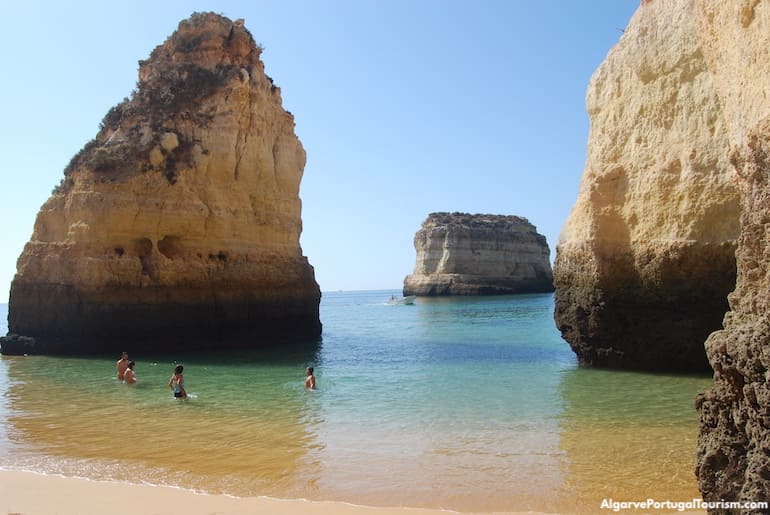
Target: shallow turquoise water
{"x": 470, "y": 404}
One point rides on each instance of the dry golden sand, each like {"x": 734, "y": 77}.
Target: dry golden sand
{"x": 28, "y": 493}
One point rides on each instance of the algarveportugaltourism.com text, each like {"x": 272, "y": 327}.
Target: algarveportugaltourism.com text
{"x": 695, "y": 504}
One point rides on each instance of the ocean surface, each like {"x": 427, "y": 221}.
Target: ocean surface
{"x": 463, "y": 403}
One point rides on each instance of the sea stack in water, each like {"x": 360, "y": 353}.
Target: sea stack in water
{"x": 734, "y": 443}
{"x": 463, "y": 254}
{"x": 178, "y": 225}
{"x": 647, "y": 257}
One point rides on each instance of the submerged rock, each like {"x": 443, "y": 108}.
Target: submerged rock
{"x": 647, "y": 256}
{"x": 463, "y": 254}
{"x": 178, "y": 225}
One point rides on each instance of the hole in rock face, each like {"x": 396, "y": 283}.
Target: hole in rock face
{"x": 170, "y": 246}
{"x": 119, "y": 251}
{"x": 220, "y": 256}
{"x": 143, "y": 247}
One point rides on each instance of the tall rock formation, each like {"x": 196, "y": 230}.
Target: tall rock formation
{"x": 734, "y": 443}
{"x": 463, "y": 254}
{"x": 179, "y": 224}
{"x": 647, "y": 256}
{"x": 689, "y": 78}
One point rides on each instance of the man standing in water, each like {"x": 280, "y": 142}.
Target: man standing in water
{"x": 122, "y": 365}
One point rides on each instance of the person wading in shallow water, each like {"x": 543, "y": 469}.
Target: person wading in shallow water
{"x": 129, "y": 374}
{"x": 310, "y": 379}
{"x": 122, "y": 365}
{"x": 177, "y": 383}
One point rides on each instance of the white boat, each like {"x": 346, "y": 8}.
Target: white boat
{"x": 401, "y": 301}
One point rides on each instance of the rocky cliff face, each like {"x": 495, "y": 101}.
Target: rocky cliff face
{"x": 680, "y": 140}
{"x": 646, "y": 259}
{"x": 734, "y": 443}
{"x": 462, "y": 254}
{"x": 179, "y": 224}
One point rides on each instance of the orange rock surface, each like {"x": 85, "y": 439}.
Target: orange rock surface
{"x": 647, "y": 256}
{"x": 179, "y": 224}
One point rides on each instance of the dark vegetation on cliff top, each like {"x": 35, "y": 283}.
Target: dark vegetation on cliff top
{"x": 173, "y": 94}
{"x": 486, "y": 221}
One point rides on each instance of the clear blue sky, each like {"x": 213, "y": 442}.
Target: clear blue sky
{"x": 404, "y": 108}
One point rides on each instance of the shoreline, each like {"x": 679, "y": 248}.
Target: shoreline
{"x": 32, "y": 493}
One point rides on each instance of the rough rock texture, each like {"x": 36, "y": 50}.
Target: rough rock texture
{"x": 179, "y": 224}
{"x": 646, "y": 259}
{"x": 734, "y": 442}
{"x": 463, "y": 254}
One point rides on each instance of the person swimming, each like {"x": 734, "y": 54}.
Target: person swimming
{"x": 177, "y": 383}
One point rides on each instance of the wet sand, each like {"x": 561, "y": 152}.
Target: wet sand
{"x": 28, "y": 493}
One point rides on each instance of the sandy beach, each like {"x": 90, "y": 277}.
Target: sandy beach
{"x": 29, "y": 493}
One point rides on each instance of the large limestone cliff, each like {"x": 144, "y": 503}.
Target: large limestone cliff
{"x": 179, "y": 224}
{"x": 646, "y": 258}
{"x": 734, "y": 443}
{"x": 462, "y": 254}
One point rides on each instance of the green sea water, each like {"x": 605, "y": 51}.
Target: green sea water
{"x": 471, "y": 404}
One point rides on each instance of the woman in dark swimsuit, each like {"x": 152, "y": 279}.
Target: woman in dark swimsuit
{"x": 177, "y": 383}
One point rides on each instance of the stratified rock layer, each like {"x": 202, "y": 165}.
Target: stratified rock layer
{"x": 646, "y": 259}
{"x": 734, "y": 442}
{"x": 463, "y": 254}
{"x": 178, "y": 225}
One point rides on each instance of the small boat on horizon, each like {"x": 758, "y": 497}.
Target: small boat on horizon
{"x": 401, "y": 301}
